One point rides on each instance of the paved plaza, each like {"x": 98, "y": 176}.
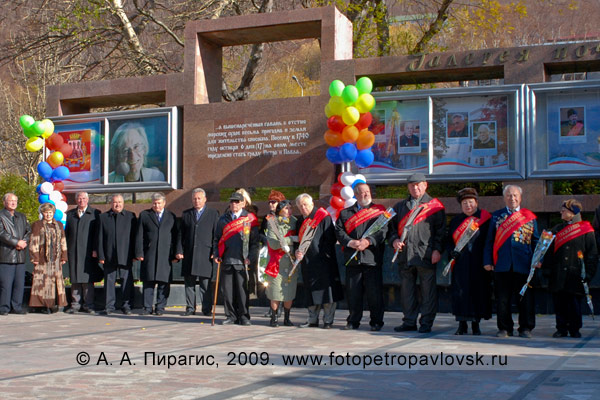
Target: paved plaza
{"x": 177, "y": 357}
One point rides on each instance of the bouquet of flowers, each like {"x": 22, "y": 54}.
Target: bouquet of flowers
{"x": 263, "y": 260}
{"x": 245, "y": 239}
{"x": 379, "y": 223}
{"x": 465, "y": 238}
{"x": 538, "y": 254}
{"x": 303, "y": 247}
{"x": 586, "y": 288}
{"x": 272, "y": 222}
{"x": 407, "y": 227}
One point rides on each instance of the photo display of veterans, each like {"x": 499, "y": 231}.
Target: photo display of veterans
{"x": 14, "y": 238}
{"x": 82, "y": 240}
{"x": 48, "y": 253}
{"x": 364, "y": 273}
{"x": 511, "y": 239}
{"x": 320, "y": 274}
{"x": 128, "y": 155}
{"x": 418, "y": 253}
{"x": 471, "y": 284}
{"x": 155, "y": 245}
{"x": 116, "y": 251}
{"x": 570, "y": 263}
{"x": 234, "y": 247}
{"x": 195, "y": 248}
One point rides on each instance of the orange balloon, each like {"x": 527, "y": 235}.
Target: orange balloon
{"x": 66, "y": 149}
{"x": 365, "y": 140}
{"x": 333, "y": 139}
{"x": 55, "y": 159}
{"x": 350, "y": 134}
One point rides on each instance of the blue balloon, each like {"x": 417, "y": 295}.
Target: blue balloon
{"x": 364, "y": 158}
{"x": 348, "y": 152}
{"x": 356, "y": 182}
{"x": 45, "y": 170}
{"x": 333, "y": 155}
{"x": 58, "y": 215}
{"x": 43, "y": 198}
{"x": 38, "y": 189}
{"x": 60, "y": 173}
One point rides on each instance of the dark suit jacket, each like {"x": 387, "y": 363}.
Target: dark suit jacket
{"x": 156, "y": 243}
{"x": 10, "y": 233}
{"x": 82, "y": 240}
{"x": 195, "y": 241}
{"x": 116, "y": 238}
{"x": 233, "y": 247}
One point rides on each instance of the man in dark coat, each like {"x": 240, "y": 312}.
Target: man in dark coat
{"x": 155, "y": 246}
{"x": 195, "y": 248}
{"x": 14, "y": 236}
{"x": 510, "y": 242}
{"x": 229, "y": 250}
{"x": 319, "y": 264}
{"x": 116, "y": 245}
{"x": 418, "y": 253}
{"x": 364, "y": 273}
{"x": 82, "y": 238}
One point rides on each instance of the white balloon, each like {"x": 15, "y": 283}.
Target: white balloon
{"x": 360, "y": 177}
{"x": 55, "y": 196}
{"x": 46, "y": 188}
{"x": 332, "y": 212}
{"x": 347, "y": 193}
{"x": 349, "y": 202}
{"x": 347, "y": 178}
{"x": 62, "y": 206}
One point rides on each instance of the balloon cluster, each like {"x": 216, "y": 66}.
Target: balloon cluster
{"x": 52, "y": 171}
{"x": 342, "y": 192}
{"x": 349, "y": 117}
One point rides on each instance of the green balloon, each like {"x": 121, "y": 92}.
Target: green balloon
{"x": 364, "y": 85}
{"x": 29, "y": 132}
{"x": 26, "y": 121}
{"x": 350, "y": 95}
{"x": 336, "y": 87}
{"x": 38, "y": 128}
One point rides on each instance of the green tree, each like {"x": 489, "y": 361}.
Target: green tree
{"x": 28, "y": 202}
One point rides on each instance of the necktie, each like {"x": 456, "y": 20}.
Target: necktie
{"x": 199, "y": 214}
{"x": 158, "y": 217}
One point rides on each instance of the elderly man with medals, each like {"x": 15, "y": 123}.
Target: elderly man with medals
{"x": 571, "y": 264}
{"x": 510, "y": 242}
{"x": 364, "y": 272}
{"x": 317, "y": 258}
{"x": 230, "y": 237}
{"x": 419, "y": 245}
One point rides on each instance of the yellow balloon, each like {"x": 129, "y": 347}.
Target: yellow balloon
{"x": 365, "y": 103}
{"x": 48, "y": 128}
{"x": 336, "y": 105}
{"x": 34, "y": 144}
{"x": 328, "y": 111}
{"x": 350, "y": 115}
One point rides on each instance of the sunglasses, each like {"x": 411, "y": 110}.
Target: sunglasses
{"x": 234, "y": 201}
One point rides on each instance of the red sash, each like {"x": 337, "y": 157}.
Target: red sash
{"x": 312, "y": 222}
{"x": 272, "y": 268}
{"x": 429, "y": 208}
{"x": 363, "y": 216}
{"x": 463, "y": 226}
{"x": 235, "y": 227}
{"x": 509, "y": 226}
{"x": 571, "y": 232}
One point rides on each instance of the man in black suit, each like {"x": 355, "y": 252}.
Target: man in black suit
{"x": 116, "y": 240}
{"x": 155, "y": 244}
{"x": 229, "y": 249}
{"x": 195, "y": 248}
{"x": 82, "y": 238}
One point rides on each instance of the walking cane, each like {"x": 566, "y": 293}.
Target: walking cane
{"x": 216, "y": 293}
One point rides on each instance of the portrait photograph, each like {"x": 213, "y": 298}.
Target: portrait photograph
{"x": 484, "y": 138}
{"x": 410, "y": 137}
{"x": 458, "y": 124}
{"x": 138, "y": 149}
{"x": 572, "y": 125}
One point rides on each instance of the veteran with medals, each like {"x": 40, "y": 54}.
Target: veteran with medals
{"x": 364, "y": 274}
{"x": 511, "y": 239}
{"x": 471, "y": 283}
{"x": 574, "y": 248}
{"x": 229, "y": 250}
{"x": 419, "y": 252}
{"x": 319, "y": 266}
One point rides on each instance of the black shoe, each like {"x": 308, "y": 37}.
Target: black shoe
{"x": 159, "y": 312}
{"x": 245, "y": 322}
{"x": 206, "y": 313}
{"x": 462, "y": 328}
{"x": 311, "y": 325}
{"x": 575, "y": 334}
{"x": 525, "y": 334}
{"x": 228, "y": 321}
{"x": 87, "y": 311}
{"x": 187, "y": 313}
{"x": 126, "y": 311}
{"x": 19, "y": 312}
{"x": 146, "y": 312}
{"x": 350, "y": 326}
{"x": 405, "y": 328}
{"x": 106, "y": 312}
{"x": 325, "y": 325}
{"x": 424, "y": 329}
{"x": 3, "y": 312}
{"x": 70, "y": 310}
{"x": 559, "y": 334}
{"x": 376, "y": 328}
{"x": 476, "y": 329}
{"x": 273, "y": 323}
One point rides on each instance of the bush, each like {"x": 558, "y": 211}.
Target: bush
{"x": 28, "y": 199}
